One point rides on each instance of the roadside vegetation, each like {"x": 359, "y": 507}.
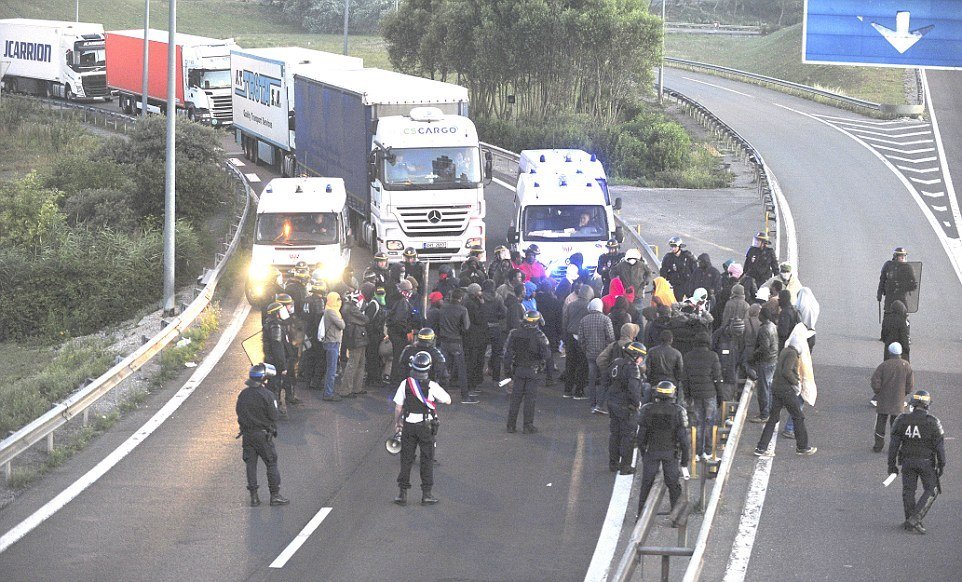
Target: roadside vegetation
{"x": 779, "y": 55}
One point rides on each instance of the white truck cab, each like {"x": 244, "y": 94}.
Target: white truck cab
{"x": 562, "y": 204}
{"x": 298, "y": 219}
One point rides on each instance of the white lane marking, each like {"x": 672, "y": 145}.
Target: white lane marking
{"x": 913, "y": 160}
{"x": 500, "y": 182}
{"x": 899, "y": 150}
{"x": 932, "y": 194}
{"x": 918, "y": 170}
{"x": 600, "y": 565}
{"x": 925, "y": 182}
{"x": 895, "y": 142}
{"x": 253, "y": 178}
{"x": 300, "y": 538}
{"x": 719, "y": 87}
{"x": 236, "y": 162}
{"x": 91, "y": 476}
{"x": 752, "y": 513}
{"x": 864, "y": 121}
{"x": 952, "y": 247}
{"x": 949, "y": 186}
{"x": 861, "y": 131}
{"x": 940, "y": 208}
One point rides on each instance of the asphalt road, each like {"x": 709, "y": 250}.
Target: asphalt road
{"x": 827, "y": 517}
{"x": 513, "y": 506}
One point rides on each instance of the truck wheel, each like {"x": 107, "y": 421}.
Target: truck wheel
{"x": 191, "y": 115}
{"x": 67, "y": 93}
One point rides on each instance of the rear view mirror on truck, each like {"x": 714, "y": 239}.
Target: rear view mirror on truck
{"x": 488, "y": 166}
{"x": 617, "y": 205}
{"x": 619, "y": 231}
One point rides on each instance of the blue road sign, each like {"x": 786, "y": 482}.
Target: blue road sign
{"x": 893, "y": 33}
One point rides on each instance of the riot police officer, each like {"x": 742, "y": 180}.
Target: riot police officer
{"x": 257, "y": 416}
{"x": 918, "y": 444}
{"x": 413, "y": 267}
{"x": 609, "y": 260}
{"x": 526, "y": 353}
{"x": 678, "y": 264}
{"x": 897, "y": 279}
{"x": 624, "y": 398}
{"x": 377, "y": 272}
{"x": 761, "y": 264}
{"x": 662, "y": 432}
{"x": 278, "y": 350}
{"x": 424, "y": 341}
{"x": 415, "y": 415}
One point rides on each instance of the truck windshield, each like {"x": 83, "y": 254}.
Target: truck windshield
{"x": 88, "y": 57}
{"x": 218, "y": 79}
{"x": 575, "y": 223}
{"x": 304, "y": 228}
{"x": 431, "y": 168}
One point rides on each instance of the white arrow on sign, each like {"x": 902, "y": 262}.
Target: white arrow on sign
{"x": 901, "y": 38}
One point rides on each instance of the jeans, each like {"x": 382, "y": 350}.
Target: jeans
{"x": 703, "y": 412}
{"x": 454, "y": 356}
{"x": 766, "y": 373}
{"x": 791, "y": 402}
{"x": 331, "y": 350}
{"x": 790, "y": 425}
{"x": 596, "y": 384}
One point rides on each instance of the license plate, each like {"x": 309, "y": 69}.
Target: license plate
{"x": 434, "y": 245}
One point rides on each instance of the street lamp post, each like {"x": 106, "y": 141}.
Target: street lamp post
{"x": 661, "y": 69}
{"x": 143, "y": 93}
{"x": 347, "y": 9}
{"x": 169, "y": 291}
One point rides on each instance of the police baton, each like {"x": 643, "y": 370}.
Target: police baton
{"x": 880, "y": 311}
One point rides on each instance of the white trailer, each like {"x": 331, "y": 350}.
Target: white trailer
{"x": 54, "y": 58}
{"x": 263, "y": 98}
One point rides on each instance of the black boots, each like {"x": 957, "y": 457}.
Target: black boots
{"x": 427, "y": 498}
{"x": 255, "y": 500}
{"x": 402, "y": 497}
{"x": 277, "y": 499}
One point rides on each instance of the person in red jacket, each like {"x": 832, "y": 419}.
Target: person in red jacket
{"x": 532, "y": 269}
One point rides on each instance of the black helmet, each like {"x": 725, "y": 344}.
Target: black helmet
{"x": 532, "y": 318}
{"x": 261, "y": 372}
{"x": 380, "y": 256}
{"x": 426, "y": 337}
{"x": 900, "y": 251}
{"x": 612, "y": 243}
{"x": 533, "y": 250}
{"x": 635, "y": 350}
{"x": 410, "y": 253}
{"x": 421, "y": 365}
{"x": 446, "y": 270}
{"x": 665, "y": 390}
{"x": 283, "y": 299}
{"x": 274, "y": 307}
{"x": 921, "y": 399}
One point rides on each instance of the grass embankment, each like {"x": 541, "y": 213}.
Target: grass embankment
{"x": 251, "y": 24}
{"x": 779, "y": 55}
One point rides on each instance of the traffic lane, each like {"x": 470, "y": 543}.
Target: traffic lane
{"x": 852, "y": 193}
{"x": 945, "y": 89}
{"x": 178, "y": 506}
{"x": 513, "y": 506}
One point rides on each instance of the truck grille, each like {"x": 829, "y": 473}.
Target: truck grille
{"x": 433, "y": 221}
{"x": 222, "y": 108}
{"x": 95, "y": 85}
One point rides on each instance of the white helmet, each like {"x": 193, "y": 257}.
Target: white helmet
{"x": 633, "y": 254}
{"x": 699, "y": 296}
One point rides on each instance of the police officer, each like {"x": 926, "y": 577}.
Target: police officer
{"x": 425, "y": 341}
{"x": 257, "y": 416}
{"x": 296, "y": 284}
{"x": 761, "y": 264}
{"x": 662, "y": 431}
{"x": 678, "y": 264}
{"x": 413, "y": 267}
{"x": 609, "y": 260}
{"x": 377, "y": 272}
{"x": 526, "y": 353}
{"x": 897, "y": 279}
{"x": 918, "y": 444}
{"x": 415, "y": 415}
{"x": 313, "y": 361}
{"x": 278, "y": 351}
{"x": 624, "y": 398}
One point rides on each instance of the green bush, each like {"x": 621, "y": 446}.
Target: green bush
{"x": 29, "y": 212}
{"x": 101, "y": 208}
{"x": 80, "y": 172}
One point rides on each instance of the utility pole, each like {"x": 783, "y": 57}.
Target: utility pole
{"x": 143, "y": 93}
{"x": 347, "y": 9}
{"x": 661, "y": 69}
{"x": 169, "y": 291}
{"x": 77, "y": 12}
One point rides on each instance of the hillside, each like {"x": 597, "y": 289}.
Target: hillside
{"x": 780, "y": 55}
{"x": 252, "y": 24}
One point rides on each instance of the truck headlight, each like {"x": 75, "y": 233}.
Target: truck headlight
{"x": 395, "y": 245}
{"x": 473, "y": 243}
{"x": 332, "y": 270}
{"x": 259, "y": 273}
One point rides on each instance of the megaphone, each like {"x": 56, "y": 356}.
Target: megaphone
{"x": 393, "y": 444}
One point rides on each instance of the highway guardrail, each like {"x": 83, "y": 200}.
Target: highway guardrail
{"x": 82, "y": 113}
{"x": 78, "y": 403}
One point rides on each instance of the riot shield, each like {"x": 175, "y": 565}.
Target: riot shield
{"x": 254, "y": 348}
{"x": 912, "y": 297}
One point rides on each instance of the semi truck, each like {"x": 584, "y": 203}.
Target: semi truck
{"x": 54, "y": 58}
{"x": 408, "y": 154}
{"x": 203, "y": 85}
{"x": 562, "y": 205}
{"x": 298, "y": 220}
{"x": 263, "y": 99}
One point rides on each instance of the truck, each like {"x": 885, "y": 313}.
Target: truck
{"x": 562, "y": 205}
{"x": 297, "y": 220}
{"x": 409, "y": 156}
{"x": 203, "y": 85}
{"x": 263, "y": 99}
{"x": 54, "y": 58}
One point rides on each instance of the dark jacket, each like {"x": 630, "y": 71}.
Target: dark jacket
{"x": 787, "y": 381}
{"x": 663, "y": 428}
{"x": 761, "y": 264}
{"x": 895, "y": 327}
{"x": 765, "y": 348}
{"x": 788, "y": 318}
{"x": 702, "y": 372}
{"x": 625, "y": 388}
{"x": 627, "y": 335}
{"x": 705, "y": 276}
{"x": 573, "y": 312}
{"x": 478, "y": 331}
{"x": 678, "y": 269}
{"x": 355, "y": 326}
{"x": 453, "y": 323}
{"x": 493, "y": 311}
{"x": 664, "y": 362}
{"x": 514, "y": 312}
{"x": 256, "y": 408}
{"x": 550, "y": 308}
{"x": 526, "y": 347}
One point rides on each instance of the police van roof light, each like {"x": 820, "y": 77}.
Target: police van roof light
{"x": 542, "y": 158}
{"x": 328, "y": 189}
{"x": 594, "y": 158}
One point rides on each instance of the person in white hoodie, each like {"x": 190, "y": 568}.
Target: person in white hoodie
{"x": 808, "y": 310}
